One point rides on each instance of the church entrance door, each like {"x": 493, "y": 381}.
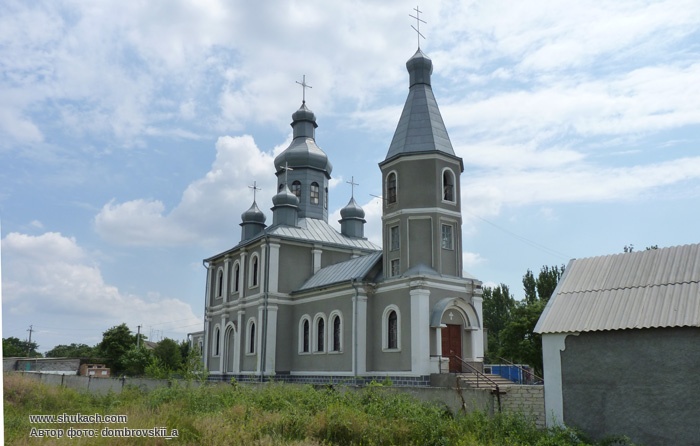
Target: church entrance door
{"x": 452, "y": 346}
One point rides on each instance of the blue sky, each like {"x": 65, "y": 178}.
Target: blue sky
{"x": 130, "y": 132}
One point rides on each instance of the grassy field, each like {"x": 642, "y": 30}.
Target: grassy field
{"x": 272, "y": 414}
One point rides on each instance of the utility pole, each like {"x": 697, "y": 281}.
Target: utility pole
{"x": 29, "y": 344}
{"x": 138, "y": 337}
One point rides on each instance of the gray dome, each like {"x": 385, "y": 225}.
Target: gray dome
{"x": 352, "y": 210}
{"x": 285, "y": 197}
{"x": 253, "y": 215}
{"x": 419, "y": 67}
{"x": 303, "y": 151}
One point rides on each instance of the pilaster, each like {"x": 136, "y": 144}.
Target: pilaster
{"x": 420, "y": 331}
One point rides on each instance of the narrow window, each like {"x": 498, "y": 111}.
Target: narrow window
{"x": 447, "y": 242}
{"x": 325, "y": 198}
{"x": 305, "y": 345}
{"x": 314, "y": 193}
{"x": 394, "y": 267}
{"x": 217, "y": 338}
{"x": 251, "y": 339}
{"x": 320, "y": 334}
{"x": 279, "y": 189}
{"x": 254, "y": 272}
{"x": 391, "y": 188}
{"x": 393, "y": 329}
{"x": 448, "y": 186}
{"x": 336, "y": 334}
{"x": 236, "y": 277}
{"x": 296, "y": 189}
{"x": 394, "y": 240}
{"x": 220, "y": 282}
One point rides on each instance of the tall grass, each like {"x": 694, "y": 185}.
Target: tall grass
{"x": 270, "y": 414}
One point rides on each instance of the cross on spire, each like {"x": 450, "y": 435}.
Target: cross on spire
{"x": 286, "y": 169}
{"x": 304, "y": 86}
{"x": 352, "y": 184}
{"x": 417, "y": 27}
{"x": 255, "y": 189}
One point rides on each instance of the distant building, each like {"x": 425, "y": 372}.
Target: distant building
{"x": 95, "y": 370}
{"x": 300, "y": 301}
{"x": 621, "y": 346}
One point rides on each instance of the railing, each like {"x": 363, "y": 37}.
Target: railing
{"x": 494, "y": 385}
{"x": 523, "y": 371}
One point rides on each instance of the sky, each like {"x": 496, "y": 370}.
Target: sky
{"x": 130, "y": 133}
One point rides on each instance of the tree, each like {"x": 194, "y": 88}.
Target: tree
{"x": 115, "y": 343}
{"x": 168, "y": 353}
{"x": 72, "y": 351}
{"x": 14, "y": 347}
{"x": 497, "y": 307}
{"x": 135, "y": 361}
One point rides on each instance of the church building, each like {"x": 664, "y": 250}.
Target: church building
{"x": 297, "y": 300}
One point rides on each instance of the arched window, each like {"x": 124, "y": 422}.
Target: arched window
{"x": 391, "y": 329}
{"x": 319, "y": 333}
{"x": 217, "y": 338}
{"x": 236, "y": 277}
{"x": 391, "y": 188}
{"x": 296, "y": 189}
{"x": 336, "y": 332}
{"x": 448, "y": 185}
{"x": 254, "y": 271}
{"x": 314, "y": 190}
{"x": 305, "y": 334}
{"x": 251, "y": 337}
{"x": 279, "y": 189}
{"x": 220, "y": 282}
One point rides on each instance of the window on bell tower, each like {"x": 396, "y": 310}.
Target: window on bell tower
{"x": 448, "y": 185}
{"x": 314, "y": 193}
{"x": 296, "y": 189}
{"x": 391, "y": 188}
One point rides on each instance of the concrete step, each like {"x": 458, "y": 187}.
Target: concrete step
{"x": 476, "y": 381}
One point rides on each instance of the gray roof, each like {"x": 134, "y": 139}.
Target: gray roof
{"x": 356, "y": 268}
{"x": 645, "y": 289}
{"x": 315, "y": 230}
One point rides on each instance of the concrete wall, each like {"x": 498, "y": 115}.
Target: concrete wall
{"x": 67, "y": 365}
{"x": 98, "y": 385}
{"x": 527, "y": 400}
{"x": 639, "y": 383}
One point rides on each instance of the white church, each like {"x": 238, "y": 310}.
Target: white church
{"x": 296, "y": 300}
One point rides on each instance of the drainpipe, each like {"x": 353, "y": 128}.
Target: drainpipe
{"x": 266, "y": 297}
{"x": 354, "y": 329}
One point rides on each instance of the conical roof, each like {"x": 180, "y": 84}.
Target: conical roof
{"x": 420, "y": 128}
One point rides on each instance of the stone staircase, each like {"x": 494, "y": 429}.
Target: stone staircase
{"x": 479, "y": 382}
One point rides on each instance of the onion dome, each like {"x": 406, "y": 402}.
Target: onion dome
{"x": 303, "y": 151}
{"x": 285, "y": 197}
{"x": 253, "y": 215}
{"x": 419, "y": 67}
{"x": 352, "y": 210}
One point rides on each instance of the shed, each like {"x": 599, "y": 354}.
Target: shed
{"x": 621, "y": 346}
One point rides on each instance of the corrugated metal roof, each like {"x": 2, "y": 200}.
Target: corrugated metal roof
{"x": 645, "y": 289}
{"x": 342, "y": 272}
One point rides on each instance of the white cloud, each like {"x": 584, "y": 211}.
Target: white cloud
{"x": 53, "y": 279}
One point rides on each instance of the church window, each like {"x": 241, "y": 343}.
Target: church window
{"x": 447, "y": 239}
{"x": 219, "y": 282}
{"x": 254, "y": 271}
{"x": 391, "y": 329}
{"x": 314, "y": 193}
{"x": 325, "y": 198}
{"x": 394, "y": 239}
{"x": 217, "y": 338}
{"x": 251, "y": 336}
{"x": 236, "y": 277}
{"x": 391, "y": 188}
{"x": 296, "y": 189}
{"x": 279, "y": 189}
{"x": 335, "y": 342}
{"x": 305, "y": 334}
{"x": 320, "y": 333}
{"x": 448, "y": 185}
{"x": 395, "y": 267}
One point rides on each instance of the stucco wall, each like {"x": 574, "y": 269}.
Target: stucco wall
{"x": 640, "y": 383}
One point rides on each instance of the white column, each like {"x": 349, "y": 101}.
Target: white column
{"x": 552, "y": 346}
{"x": 420, "y": 331}
{"x": 477, "y": 336}
{"x": 227, "y": 267}
{"x": 207, "y": 337}
{"x": 210, "y": 270}
{"x": 258, "y": 338}
{"x": 222, "y": 338}
{"x": 274, "y": 267}
{"x": 239, "y": 342}
{"x": 243, "y": 283}
{"x": 361, "y": 348}
{"x": 271, "y": 340}
{"x": 317, "y": 258}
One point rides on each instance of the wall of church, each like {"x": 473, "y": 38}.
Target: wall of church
{"x": 295, "y": 267}
{"x": 331, "y": 257}
{"x": 379, "y": 357}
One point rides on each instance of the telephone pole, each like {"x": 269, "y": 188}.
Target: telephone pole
{"x": 29, "y": 344}
{"x": 138, "y": 337}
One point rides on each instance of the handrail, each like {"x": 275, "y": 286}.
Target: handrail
{"x": 522, "y": 370}
{"x": 496, "y": 390}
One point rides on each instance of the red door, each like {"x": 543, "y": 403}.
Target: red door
{"x": 452, "y": 346}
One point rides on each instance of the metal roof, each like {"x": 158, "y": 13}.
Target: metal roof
{"x": 645, "y": 289}
{"x": 315, "y": 230}
{"x": 342, "y": 272}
